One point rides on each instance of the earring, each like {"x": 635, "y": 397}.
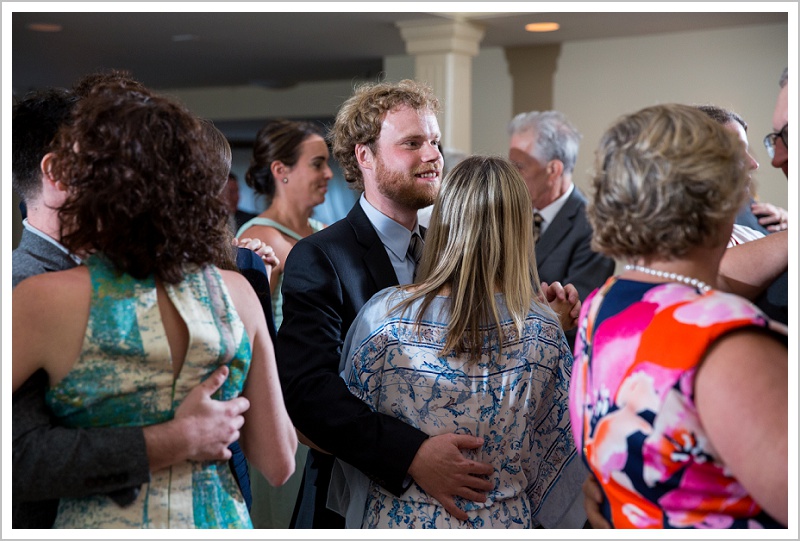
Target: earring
{"x": 285, "y": 180}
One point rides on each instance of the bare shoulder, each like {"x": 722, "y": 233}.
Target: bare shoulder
{"x": 741, "y": 364}
{"x": 244, "y": 300}
{"x": 237, "y": 284}
{"x": 50, "y": 314}
{"x": 747, "y": 347}
{"x": 61, "y": 287}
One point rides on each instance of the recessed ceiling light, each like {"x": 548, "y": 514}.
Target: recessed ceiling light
{"x": 45, "y": 27}
{"x": 184, "y": 37}
{"x": 542, "y": 27}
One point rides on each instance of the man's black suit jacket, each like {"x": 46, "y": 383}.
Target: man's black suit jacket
{"x": 327, "y": 278}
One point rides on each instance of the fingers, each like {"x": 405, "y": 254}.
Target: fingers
{"x": 571, "y": 293}
{"x": 774, "y": 225}
{"x": 471, "y": 495}
{"x": 592, "y": 500}
{"x": 450, "y": 505}
{"x": 769, "y": 220}
{"x": 238, "y": 406}
{"x": 475, "y": 484}
{"x": 559, "y": 291}
{"x": 553, "y": 291}
{"x": 772, "y": 217}
{"x": 215, "y": 380}
{"x": 254, "y": 244}
{"x": 576, "y": 310}
{"x": 474, "y": 468}
{"x": 465, "y": 441}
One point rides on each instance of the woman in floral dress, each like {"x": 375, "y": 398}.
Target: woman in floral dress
{"x": 679, "y": 391}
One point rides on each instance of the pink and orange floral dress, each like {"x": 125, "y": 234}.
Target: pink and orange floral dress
{"x": 632, "y": 405}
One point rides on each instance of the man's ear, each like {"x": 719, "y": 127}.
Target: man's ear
{"x": 48, "y": 178}
{"x": 364, "y": 155}
{"x": 555, "y": 168}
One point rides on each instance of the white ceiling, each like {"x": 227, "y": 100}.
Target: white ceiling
{"x": 282, "y": 49}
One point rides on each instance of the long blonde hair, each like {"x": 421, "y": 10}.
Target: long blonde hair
{"x": 480, "y": 242}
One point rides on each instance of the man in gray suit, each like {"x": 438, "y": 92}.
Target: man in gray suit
{"x": 49, "y": 461}
{"x": 544, "y": 147}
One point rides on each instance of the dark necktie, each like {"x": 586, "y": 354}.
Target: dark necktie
{"x": 537, "y": 226}
{"x": 415, "y": 250}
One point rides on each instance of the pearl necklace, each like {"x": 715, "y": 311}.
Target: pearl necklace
{"x": 674, "y": 276}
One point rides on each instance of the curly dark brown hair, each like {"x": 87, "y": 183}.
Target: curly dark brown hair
{"x": 141, "y": 184}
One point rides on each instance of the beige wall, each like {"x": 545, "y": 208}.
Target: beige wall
{"x": 492, "y": 90}
{"x": 532, "y": 69}
{"x": 597, "y": 81}
{"x": 491, "y": 96}
{"x": 248, "y": 102}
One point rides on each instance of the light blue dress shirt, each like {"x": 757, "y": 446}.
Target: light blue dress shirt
{"x": 395, "y": 239}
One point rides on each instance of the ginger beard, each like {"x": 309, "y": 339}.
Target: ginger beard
{"x": 407, "y": 188}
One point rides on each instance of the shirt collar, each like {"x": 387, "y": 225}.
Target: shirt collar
{"x": 392, "y": 234}
{"x": 549, "y": 212}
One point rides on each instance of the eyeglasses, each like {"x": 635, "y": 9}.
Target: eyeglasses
{"x": 769, "y": 140}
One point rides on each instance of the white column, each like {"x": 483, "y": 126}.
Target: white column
{"x": 443, "y": 54}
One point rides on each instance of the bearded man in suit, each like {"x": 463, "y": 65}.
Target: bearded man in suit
{"x": 386, "y": 138}
{"x": 544, "y": 147}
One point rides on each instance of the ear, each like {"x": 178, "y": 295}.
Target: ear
{"x": 48, "y": 178}
{"x": 555, "y": 168}
{"x": 278, "y": 169}
{"x": 46, "y": 166}
{"x": 364, "y": 155}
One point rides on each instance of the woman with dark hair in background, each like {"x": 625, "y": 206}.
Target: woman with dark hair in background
{"x": 290, "y": 170}
{"x": 148, "y": 315}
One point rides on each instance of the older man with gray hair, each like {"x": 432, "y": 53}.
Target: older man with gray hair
{"x": 544, "y": 147}
{"x": 777, "y": 141}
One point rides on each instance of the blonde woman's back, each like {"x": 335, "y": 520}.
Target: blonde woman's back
{"x": 507, "y": 398}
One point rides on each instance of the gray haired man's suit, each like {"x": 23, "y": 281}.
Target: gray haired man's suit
{"x": 564, "y": 252}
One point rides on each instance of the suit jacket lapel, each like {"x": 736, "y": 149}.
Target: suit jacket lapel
{"x": 560, "y": 228}
{"x": 376, "y": 260}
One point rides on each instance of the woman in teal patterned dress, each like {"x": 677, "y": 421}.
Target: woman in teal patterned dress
{"x": 126, "y": 335}
{"x": 471, "y": 348}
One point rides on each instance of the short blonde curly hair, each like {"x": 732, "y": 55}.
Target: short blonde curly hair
{"x": 665, "y": 180}
{"x": 360, "y": 117}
